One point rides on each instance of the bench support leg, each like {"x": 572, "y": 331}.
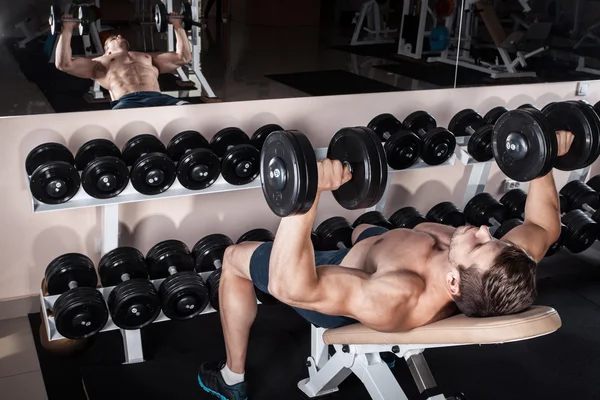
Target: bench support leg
{"x": 377, "y": 377}
{"x": 423, "y": 378}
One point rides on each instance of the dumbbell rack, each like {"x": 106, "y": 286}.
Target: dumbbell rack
{"x": 132, "y": 342}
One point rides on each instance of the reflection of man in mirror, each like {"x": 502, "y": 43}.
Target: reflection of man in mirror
{"x": 130, "y": 77}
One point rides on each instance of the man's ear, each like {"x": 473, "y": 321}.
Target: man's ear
{"x": 453, "y": 282}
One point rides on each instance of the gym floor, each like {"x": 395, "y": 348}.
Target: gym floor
{"x": 563, "y": 365}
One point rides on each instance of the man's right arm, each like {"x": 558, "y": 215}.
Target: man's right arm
{"x": 64, "y": 61}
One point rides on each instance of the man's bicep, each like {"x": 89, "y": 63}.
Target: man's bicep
{"x": 530, "y": 237}
{"x": 165, "y": 62}
{"x": 85, "y": 68}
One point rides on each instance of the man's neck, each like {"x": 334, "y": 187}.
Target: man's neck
{"x": 435, "y": 273}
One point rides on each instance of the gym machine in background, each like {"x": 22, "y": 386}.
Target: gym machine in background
{"x": 371, "y": 23}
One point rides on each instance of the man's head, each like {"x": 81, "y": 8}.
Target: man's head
{"x": 116, "y": 43}
{"x": 489, "y": 277}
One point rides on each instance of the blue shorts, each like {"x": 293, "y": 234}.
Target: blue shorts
{"x": 259, "y": 272}
{"x": 146, "y": 99}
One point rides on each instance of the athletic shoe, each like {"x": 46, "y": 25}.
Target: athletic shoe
{"x": 211, "y": 380}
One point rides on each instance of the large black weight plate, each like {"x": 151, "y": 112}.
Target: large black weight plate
{"x": 240, "y": 164}
{"x": 464, "y": 119}
{"x": 288, "y": 173}
{"x": 212, "y": 282}
{"x": 54, "y": 19}
{"x": 167, "y": 254}
{"x": 582, "y": 231}
{"x": 257, "y": 235}
{"x": 80, "y": 313}
{"x": 258, "y": 138}
{"x": 568, "y": 116}
{"x": 506, "y": 227}
{"x": 45, "y": 153}
{"x": 198, "y": 169}
{"x": 54, "y": 182}
{"x": 70, "y": 267}
{"x": 161, "y": 17}
{"x": 105, "y": 177}
{"x": 122, "y": 260}
{"x": 153, "y": 173}
{"x": 491, "y": 117}
{"x": 208, "y": 252}
{"x": 594, "y": 121}
{"x": 94, "y": 149}
{"x": 438, "y": 145}
{"x": 362, "y": 150}
{"x": 594, "y": 183}
{"x": 184, "y": 295}
{"x": 134, "y": 304}
{"x": 482, "y": 207}
{"x": 140, "y": 145}
{"x": 226, "y": 138}
{"x": 403, "y": 149}
{"x": 523, "y": 144}
{"x": 184, "y": 142}
{"x": 373, "y": 218}
{"x": 185, "y": 10}
{"x": 562, "y": 240}
{"x": 527, "y": 106}
{"x": 514, "y": 201}
{"x": 335, "y": 233}
{"x": 577, "y": 194}
{"x": 480, "y": 143}
{"x": 407, "y": 218}
{"x": 446, "y": 213}
{"x": 385, "y": 125}
{"x": 419, "y": 120}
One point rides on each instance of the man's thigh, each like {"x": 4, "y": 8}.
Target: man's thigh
{"x": 239, "y": 257}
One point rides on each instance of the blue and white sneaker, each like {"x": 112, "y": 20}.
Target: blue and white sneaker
{"x": 211, "y": 380}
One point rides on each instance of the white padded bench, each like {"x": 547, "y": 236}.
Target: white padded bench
{"x": 357, "y": 350}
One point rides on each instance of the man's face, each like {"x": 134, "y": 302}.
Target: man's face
{"x": 115, "y": 44}
{"x": 472, "y": 245}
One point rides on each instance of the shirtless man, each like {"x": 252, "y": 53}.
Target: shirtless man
{"x": 389, "y": 280}
{"x": 130, "y": 77}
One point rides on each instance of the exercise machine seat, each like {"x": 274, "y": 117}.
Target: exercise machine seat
{"x": 457, "y": 330}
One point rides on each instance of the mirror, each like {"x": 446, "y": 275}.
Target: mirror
{"x": 527, "y": 41}
{"x": 114, "y": 54}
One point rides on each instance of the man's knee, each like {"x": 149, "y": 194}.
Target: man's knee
{"x": 236, "y": 259}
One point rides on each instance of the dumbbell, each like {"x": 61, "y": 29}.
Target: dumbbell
{"x": 289, "y": 178}
{"x": 334, "y": 233}
{"x": 55, "y": 20}
{"x": 152, "y": 170}
{"x": 208, "y": 254}
{"x": 239, "y": 158}
{"x": 584, "y": 200}
{"x": 594, "y": 183}
{"x": 407, "y": 218}
{"x": 483, "y": 209}
{"x": 161, "y": 17}
{"x": 134, "y": 302}
{"x": 438, "y": 142}
{"x": 104, "y": 174}
{"x": 260, "y": 135}
{"x": 183, "y": 293}
{"x": 525, "y": 145}
{"x": 198, "y": 166}
{"x": 373, "y": 218}
{"x": 80, "y": 311}
{"x": 491, "y": 117}
{"x": 469, "y": 123}
{"x": 53, "y": 178}
{"x": 260, "y": 235}
{"x": 402, "y": 147}
{"x": 446, "y": 213}
{"x": 514, "y": 200}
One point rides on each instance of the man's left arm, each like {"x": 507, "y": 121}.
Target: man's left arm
{"x": 170, "y": 61}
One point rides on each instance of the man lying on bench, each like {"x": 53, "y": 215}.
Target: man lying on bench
{"x": 389, "y": 281}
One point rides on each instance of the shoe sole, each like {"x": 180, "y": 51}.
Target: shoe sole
{"x": 207, "y": 390}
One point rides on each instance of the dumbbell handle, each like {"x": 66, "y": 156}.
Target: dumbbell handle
{"x": 187, "y": 21}
{"x": 341, "y": 245}
{"x": 70, "y": 20}
{"x": 172, "y": 270}
{"x": 588, "y": 208}
{"x": 421, "y": 131}
{"x": 469, "y": 129}
{"x": 494, "y": 222}
{"x": 125, "y": 277}
{"x": 73, "y": 284}
{"x": 218, "y": 264}
{"x": 386, "y": 135}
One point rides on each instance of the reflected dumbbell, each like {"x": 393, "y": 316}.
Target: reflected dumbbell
{"x": 407, "y": 218}
{"x": 134, "y": 302}
{"x": 483, "y": 209}
{"x": 198, "y": 167}
{"x": 103, "y": 173}
{"x": 446, "y": 213}
{"x": 373, "y": 218}
{"x": 402, "y": 147}
{"x": 80, "y": 310}
{"x": 260, "y": 235}
{"x": 208, "y": 254}
{"x": 514, "y": 200}
{"x": 334, "y": 233}
{"x": 469, "y": 123}
{"x": 152, "y": 170}
{"x": 53, "y": 178}
{"x": 240, "y": 160}
{"x": 438, "y": 143}
{"x": 183, "y": 293}
{"x": 260, "y": 135}
{"x": 492, "y": 116}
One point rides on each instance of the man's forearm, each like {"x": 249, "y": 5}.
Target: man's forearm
{"x": 183, "y": 45}
{"x": 542, "y": 207}
{"x": 64, "y": 55}
{"x": 292, "y": 268}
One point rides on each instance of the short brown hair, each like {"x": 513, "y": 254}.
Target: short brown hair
{"x": 508, "y": 287}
